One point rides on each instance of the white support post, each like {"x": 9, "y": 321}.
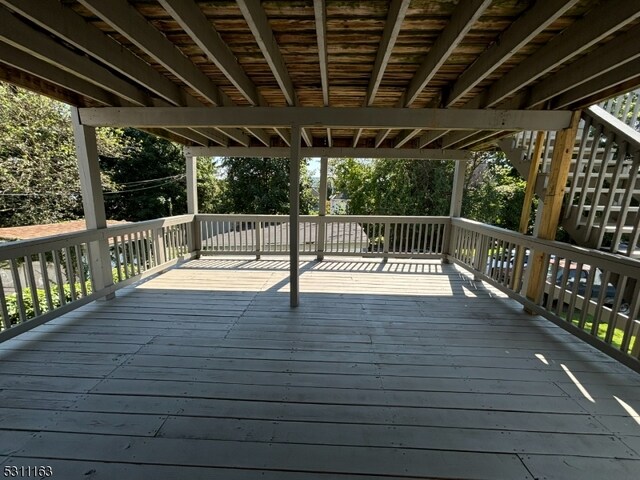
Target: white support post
{"x": 294, "y": 215}
{"x": 458, "y": 188}
{"x": 195, "y": 243}
{"x": 92, "y": 201}
{"x": 322, "y": 208}
{"x": 455, "y": 208}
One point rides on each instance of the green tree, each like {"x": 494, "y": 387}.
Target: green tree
{"x": 40, "y": 181}
{"x": 494, "y": 191}
{"x": 395, "y": 187}
{"x": 261, "y": 186}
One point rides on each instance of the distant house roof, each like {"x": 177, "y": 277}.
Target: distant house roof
{"x": 339, "y": 196}
{"x": 47, "y": 229}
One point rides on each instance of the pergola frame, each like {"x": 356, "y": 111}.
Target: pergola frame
{"x": 295, "y": 119}
{"x": 254, "y": 78}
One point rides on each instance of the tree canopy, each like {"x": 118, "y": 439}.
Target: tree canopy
{"x": 143, "y": 176}
{"x": 261, "y": 186}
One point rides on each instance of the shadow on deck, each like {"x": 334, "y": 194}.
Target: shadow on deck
{"x": 404, "y": 369}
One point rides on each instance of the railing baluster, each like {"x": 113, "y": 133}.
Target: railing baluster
{"x": 45, "y": 281}
{"x": 17, "y": 286}
{"x": 31, "y": 283}
{"x": 71, "y": 275}
{"x": 81, "y": 275}
{"x": 6, "y": 320}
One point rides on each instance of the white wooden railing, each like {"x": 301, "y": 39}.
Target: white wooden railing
{"x": 591, "y": 307}
{"x": 46, "y": 277}
{"x": 367, "y": 236}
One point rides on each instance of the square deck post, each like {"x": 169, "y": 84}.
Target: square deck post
{"x": 455, "y": 208}
{"x": 322, "y": 208}
{"x": 195, "y": 242}
{"x": 92, "y": 201}
{"x": 550, "y": 216}
{"x": 294, "y": 216}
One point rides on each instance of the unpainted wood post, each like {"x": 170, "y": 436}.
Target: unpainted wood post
{"x": 534, "y": 167}
{"x": 560, "y": 165}
{"x": 92, "y": 201}
{"x": 322, "y": 207}
{"x": 294, "y": 216}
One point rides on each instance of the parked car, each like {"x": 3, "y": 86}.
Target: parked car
{"x": 596, "y": 288}
{"x": 505, "y": 261}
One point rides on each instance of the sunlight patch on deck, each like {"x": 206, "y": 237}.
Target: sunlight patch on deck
{"x": 629, "y": 409}
{"x": 577, "y": 383}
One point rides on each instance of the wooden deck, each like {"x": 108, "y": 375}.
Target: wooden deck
{"x": 403, "y": 369}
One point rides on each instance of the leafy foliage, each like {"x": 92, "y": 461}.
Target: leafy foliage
{"x": 261, "y": 186}
{"x": 494, "y": 191}
{"x": 40, "y": 181}
{"x": 143, "y": 176}
{"x": 395, "y": 187}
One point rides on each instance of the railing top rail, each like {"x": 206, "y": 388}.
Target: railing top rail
{"x": 623, "y": 131}
{"x": 19, "y": 248}
{"x": 327, "y": 218}
{"x": 612, "y": 262}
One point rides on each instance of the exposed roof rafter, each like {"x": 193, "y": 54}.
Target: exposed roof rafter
{"x": 259, "y": 24}
{"x": 320, "y": 12}
{"x": 463, "y": 18}
{"x": 65, "y": 23}
{"x": 621, "y": 50}
{"x": 125, "y": 19}
{"x": 603, "y": 20}
{"x": 395, "y": 17}
{"x": 519, "y": 33}
{"x": 202, "y": 32}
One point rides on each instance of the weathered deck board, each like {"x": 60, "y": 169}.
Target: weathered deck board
{"x": 407, "y": 370}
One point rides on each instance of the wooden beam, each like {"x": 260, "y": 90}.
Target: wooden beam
{"x": 616, "y": 53}
{"x": 395, "y": 17}
{"x": 359, "y": 117}
{"x": 258, "y": 22}
{"x": 463, "y": 18}
{"x": 63, "y": 22}
{"x": 556, "y": 184}
{"x": 204, "y": 34}
{"x": 526, "y": 27}
{"x": 334, "y": 152}
{"x": 603, "y": 20}
{"x": 73, "y": 29}
{"x": 124, "y": 18}
{"x": 431, "y": 137}
{"x": 23, "y": 79}
{"x": 320, "y": 13}
{"x": 405, "y": 136}
{"x": 454, "y": 138}
{"x": 617, "y": 76}
{"x": 41, "y": 69}
{"x": 43, "y": 47}
{"x": 46, "y": 51}
{"x": 294, "y": 216}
